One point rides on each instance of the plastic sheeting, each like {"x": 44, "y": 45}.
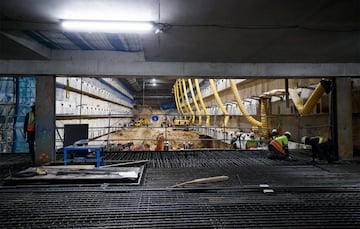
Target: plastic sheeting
{"x": 7, "y": 112}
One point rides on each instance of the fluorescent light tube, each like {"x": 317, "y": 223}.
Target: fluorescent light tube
{"x": 107, "y": 26}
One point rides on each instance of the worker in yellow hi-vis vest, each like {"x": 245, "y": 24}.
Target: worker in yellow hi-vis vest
{"x": 29, "y": 131}
{"x": 252, "y": 143}
{"x": 324, "y": 149}
{"x": 278, "y": 147}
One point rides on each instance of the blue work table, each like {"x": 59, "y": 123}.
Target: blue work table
{"x": 96, "y": 148}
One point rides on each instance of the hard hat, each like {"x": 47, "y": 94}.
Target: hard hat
{"x": 274, "y": 131}
{"x": 303, "y": 139}
{"x": 288, "y": 134}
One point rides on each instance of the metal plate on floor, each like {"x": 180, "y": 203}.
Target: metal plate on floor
{"x": 77, "y": 174}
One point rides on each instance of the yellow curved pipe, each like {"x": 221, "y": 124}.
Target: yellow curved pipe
{"x": 182, "y": 97}
{"x": 264, "y": 122}
{"x": 310, "y": 103}
{"x": 313, "y": 99}
{"x": 187, "y": 102}
{"x": 194, "y": 100}
{"x": 202, "y": 102}
{"x": 181, "y": 101}
{"x": 219, "y": 102}
{"x": 242, "y": 108}
{"x": 178, "y": 97}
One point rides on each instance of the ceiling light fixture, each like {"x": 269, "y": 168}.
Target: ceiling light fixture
{"x": 108, "y": 26}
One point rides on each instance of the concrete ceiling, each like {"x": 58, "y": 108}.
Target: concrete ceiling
{"x": 211, "y": 31}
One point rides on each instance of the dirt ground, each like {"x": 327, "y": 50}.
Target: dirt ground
{"x": 145, "y": 138}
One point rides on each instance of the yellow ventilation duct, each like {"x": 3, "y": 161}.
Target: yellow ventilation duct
{"x": 219, "y": 102}
{"x": 243, "y": 110}
{"x": 182, "y": 97}
{"x": 264, "y": 122}
{"x": 202, "y": 102}
{"x": 187, "y": 102}
{"x": 195, "y": 101}
{"x": 177, "y": 97}
{"x": 323, "y": 86}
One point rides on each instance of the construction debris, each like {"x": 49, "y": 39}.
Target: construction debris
{"x": 125, "y": 163}
{"x": 202, "y": 181}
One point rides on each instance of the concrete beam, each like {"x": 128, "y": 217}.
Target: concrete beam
{"x": 32, "y": 45}
{"x": 97, "y": 55}
{"x": 176, "y": 69}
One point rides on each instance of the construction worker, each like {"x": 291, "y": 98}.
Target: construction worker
{"x": 278, "y": 147}
{"x": 240, "y": 139}
{"x": 29, "y": 131}
{"x": 160, "y": 142}
{"x": 251, "y": 143}
{"x": 233, "y": 142}
{"x": 274, "y": 133}
{"x": 324, "y": 150}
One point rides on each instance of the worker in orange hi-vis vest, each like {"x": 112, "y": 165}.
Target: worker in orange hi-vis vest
{"x": 29, "y": 131}
{"x": 278, "y": 147}
{"x": 160, "y": 142}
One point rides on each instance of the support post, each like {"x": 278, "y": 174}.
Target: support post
{"x": 344, "y": 118}
{"x": 45, "y": 119}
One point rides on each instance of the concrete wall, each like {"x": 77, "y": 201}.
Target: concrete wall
{"x": 90, "y": 101}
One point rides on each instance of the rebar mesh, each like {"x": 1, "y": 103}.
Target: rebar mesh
{"x": 305, "y": 195}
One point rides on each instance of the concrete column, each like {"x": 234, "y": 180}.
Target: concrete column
{"x": 45, "y": 119}
{"x": 344, "y": 117}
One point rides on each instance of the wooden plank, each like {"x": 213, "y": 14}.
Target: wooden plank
{"x": 125, "y": 163}
{"x": 202, "y": 181}
{"x": 68, "y": 167}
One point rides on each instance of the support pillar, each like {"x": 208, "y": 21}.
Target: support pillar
{"x": 344, "y": 118}
{"x": 45, "y": 119}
